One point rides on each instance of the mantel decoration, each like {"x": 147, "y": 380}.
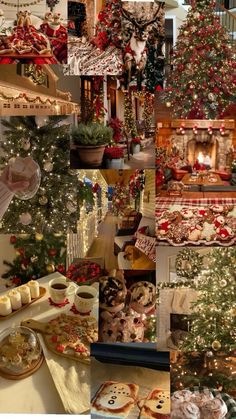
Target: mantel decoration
{"x": 188, "y": 263}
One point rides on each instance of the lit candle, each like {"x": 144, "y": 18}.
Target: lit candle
{"x": 5, "y": 306}
{"x": 34, "y": 288}
{"x": 25, "y": 294}
{"x": 15, "y": 299}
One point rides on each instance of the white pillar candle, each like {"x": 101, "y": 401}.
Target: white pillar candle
{"x": 5, "y": 306}
{"x": 34, "y": 288}
{"x": 15, "y": 299}
{"x": 25, "y": 294}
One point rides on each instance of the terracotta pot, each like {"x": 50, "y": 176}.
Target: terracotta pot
{"x": 92, "y": 155}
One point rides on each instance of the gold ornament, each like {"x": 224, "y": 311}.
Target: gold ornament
{"x": 50, "y": 268}
{"x": 195, "y": 96}
{"x": 168, "y": 104}
{"x": 38, "y": 236}
{"x": 216, "y": 345}
{"x": 43, "y": 200}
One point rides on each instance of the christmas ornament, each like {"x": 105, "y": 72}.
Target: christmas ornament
{"x": 216, "y": 345}
{"x": 57, "y": 234}
{"x": 38, "y": 236}
{"x": 61, "y": 268}
{"x": 42, "y": 191}
{"x": 48, "y": 166}
{"x": 52, "y": 252}
{"x": 25, "y": 144}
{"x": 13, "y": 239}
{"x": 50, "y": 268}
{"x": 209, "y": 354}
{"x": 25, "y": 218}
{"x": 211, "y": 97}
{"x": 34, "y": 259}
{"x": 168, "y": 104}
{"x": 20, "y": 251}
{"x": 43, "y": 200}
{"x": 188, "y": 263}
{"x": 71, "y": 207}
{"x": 223, "y": 283}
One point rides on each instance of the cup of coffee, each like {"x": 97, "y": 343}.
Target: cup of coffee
{"x": 60, "y": 289}
{"x": 85, "y": 298}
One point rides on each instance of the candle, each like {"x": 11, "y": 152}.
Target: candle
{"x": 15, "y": 299}
{"x": 5, "y": 306}
{"x": 34, "y": 289}
{"x": 25, "y": 294}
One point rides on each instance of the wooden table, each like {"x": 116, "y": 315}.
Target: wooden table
{"x": 202, "y": 180}
{"x": 184, "y": 194}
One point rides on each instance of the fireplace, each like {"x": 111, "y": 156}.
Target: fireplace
{"x": 194, "y": 139}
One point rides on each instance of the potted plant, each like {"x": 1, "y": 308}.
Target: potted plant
{"x": 90, "y": 141}
{"x": 135, "y": 145}
{"x": 114, "y": 157}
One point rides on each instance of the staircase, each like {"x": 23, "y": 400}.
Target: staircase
{"x": 226, "y": 10}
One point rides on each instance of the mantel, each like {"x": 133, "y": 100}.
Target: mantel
{"x": 203, "y": 123}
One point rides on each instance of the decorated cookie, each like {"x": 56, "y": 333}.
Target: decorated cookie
{"x": 143, "y": 296}
{"x": 224, "y": 233}
{"x": 174, "y": 216}
{"x": 215, "y": 408}
{"x": 185, "y": 410}
{"x": 164, "y": 225}
{"x": 187, "y": 213}
{"x": 230, "y": 221}
{"x": 218, "y": 208}
{"x": 194, "y": 233}
{"x": 122, "y": 327}
{"x": 114, "y": 399}
{"x": 156, "y": 405}
{"x": 178, "y": 233}
{"x": 219, "y": 221}
{"x": 208, "y": 233}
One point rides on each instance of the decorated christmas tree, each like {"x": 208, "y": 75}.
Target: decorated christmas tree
{"x": 37, "y": 255}
{"x": 214, "y": 313}
{"x": 109, "y": 25}
{"x": 54, "y": 206}
{"x": 202, "y": 83}
{"x": 129, "y": 117}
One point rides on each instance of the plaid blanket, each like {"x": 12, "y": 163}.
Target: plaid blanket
{"x": 165, "y": 203}
{"x": 229, "y": 401}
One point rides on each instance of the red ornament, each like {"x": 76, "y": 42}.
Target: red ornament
{"x": 13, "y": 239}
{"x": 20, "y": 251}
{"x": 52, "y": 252}
{"x": 158, "y": 88}
{"x": 16, "y": 281}
{"x": 61, "y": 268}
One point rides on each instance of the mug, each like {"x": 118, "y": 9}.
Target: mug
{"x": 60, "y": 289}
{"x": 85, "y": 298}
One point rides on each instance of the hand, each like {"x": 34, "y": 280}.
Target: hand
{"x": 13, "y": 186}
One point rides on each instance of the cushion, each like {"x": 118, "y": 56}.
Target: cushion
{"x": 150, "y": 222}
{"x": 147, "y": 245}
{"x": 141, "y": 230}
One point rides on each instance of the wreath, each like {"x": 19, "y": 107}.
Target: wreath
{"x": 188, "y": 263}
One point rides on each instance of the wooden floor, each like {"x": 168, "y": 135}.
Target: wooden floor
{"x": 103, "y": 245}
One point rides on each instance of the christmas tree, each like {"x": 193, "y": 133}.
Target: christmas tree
{"x": 54, "y": 206}
{"x": 129, "y": 117}
{"x": 202, "y": 83}
{"x": 36, "y": 256}
{"x": 214, "y": 313}
{"x": 109, "y": 25}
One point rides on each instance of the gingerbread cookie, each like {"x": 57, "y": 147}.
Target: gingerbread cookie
{"x": 178, "y": 233}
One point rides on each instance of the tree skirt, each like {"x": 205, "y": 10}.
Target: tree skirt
{"x": 86, "y": 59}
{"x": 196, "y": 222}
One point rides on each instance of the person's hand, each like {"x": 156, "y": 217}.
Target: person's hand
{"x": 13, "y": 186}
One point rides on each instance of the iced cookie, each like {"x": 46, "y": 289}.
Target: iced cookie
{"x": 121, "y": 327}
{"x": 224, "y": 233}
{"x": 187, "y": 213}
{"x": 163, "y": 226}
{"x": 114, "y": 399}
{"x": 219, "y": 221}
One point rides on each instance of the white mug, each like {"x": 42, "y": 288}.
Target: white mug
{"x": 59, "y": 294}
{"x": 85, "y": 298}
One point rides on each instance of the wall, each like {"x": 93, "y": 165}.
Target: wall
{"x": 148, "y": 208}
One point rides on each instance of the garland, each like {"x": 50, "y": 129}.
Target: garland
{"x": 19, "y": 4}
{"x": 24, "y": 96}
{"x": 188, "y": 263}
